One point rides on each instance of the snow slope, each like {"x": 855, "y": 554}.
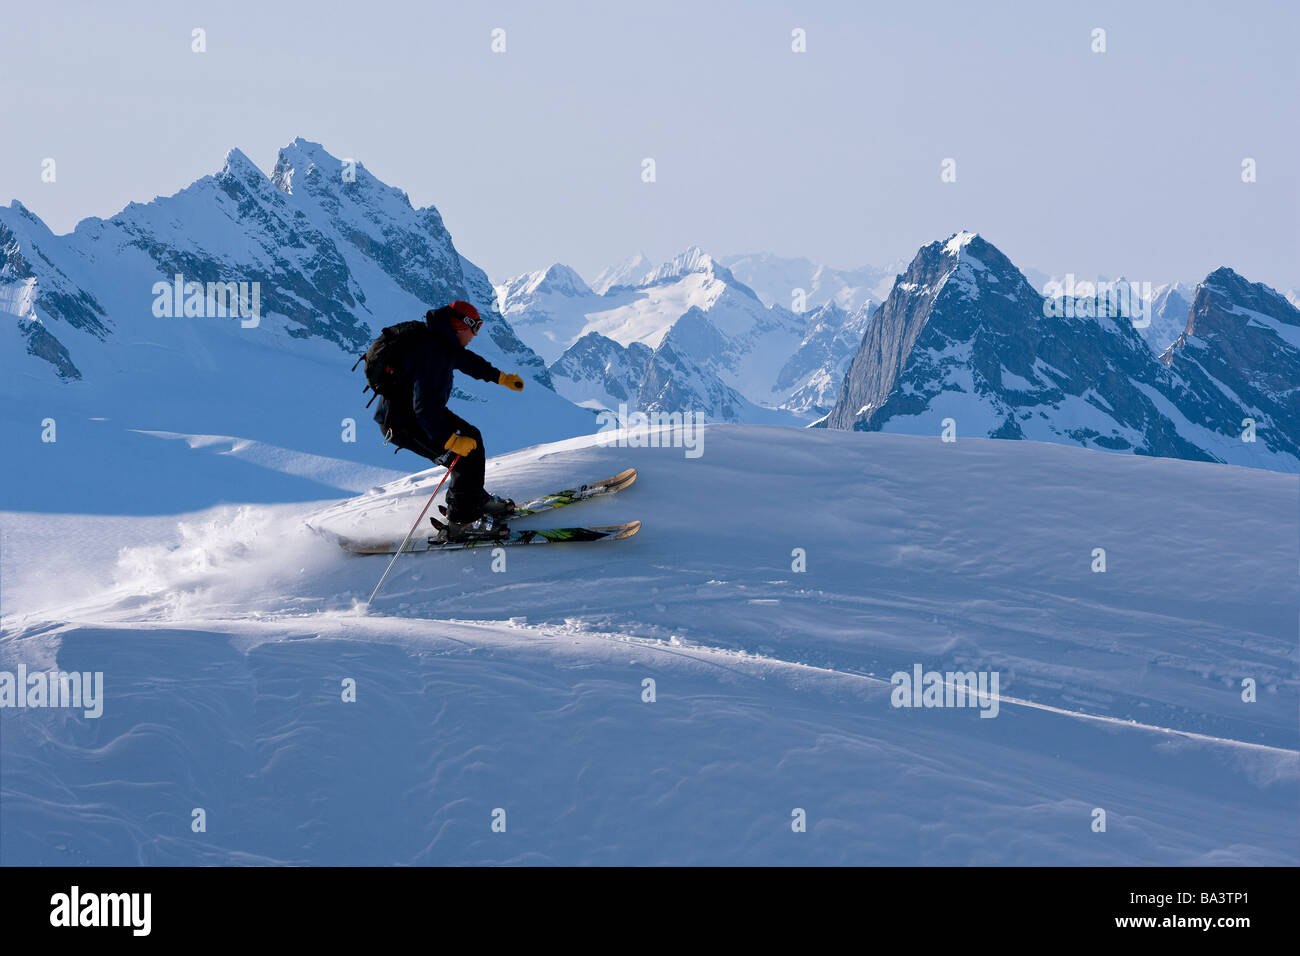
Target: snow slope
{"x": 224, "y": 636}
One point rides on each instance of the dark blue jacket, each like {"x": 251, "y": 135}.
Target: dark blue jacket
{"x": 430, "y": 372}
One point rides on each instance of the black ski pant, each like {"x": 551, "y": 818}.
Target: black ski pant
{"x": 465, "y": 494}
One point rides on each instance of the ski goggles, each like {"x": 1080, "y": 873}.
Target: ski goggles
{"x": 467, "y": 314}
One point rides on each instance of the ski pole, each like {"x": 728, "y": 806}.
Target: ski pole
{"x": 411, "y": 533}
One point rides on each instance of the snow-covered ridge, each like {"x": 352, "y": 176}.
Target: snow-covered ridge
{"x": 693, "y": 260}
{"x": 558, "y": 279}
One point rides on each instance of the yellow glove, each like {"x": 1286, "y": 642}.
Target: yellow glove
{"x": 512, "y": 382}
{"x": 460, "y": 444}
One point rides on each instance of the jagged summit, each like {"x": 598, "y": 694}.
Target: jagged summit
{"x": 958, "y": 241}
{"x": 1227, "y": 304}
{"x": 692, "y": 260}
{"x": 330, "y": 258}
{"x": 301, "y": 156}
{"x": 303, "y": 161}
{"x": 237, "y": 162}
{"x": 1227, "y": 281}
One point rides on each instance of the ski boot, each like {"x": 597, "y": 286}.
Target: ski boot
{"x": 489, "y": 524}
{"x": 484, "y": 527}
{"x": 497, "y": 508}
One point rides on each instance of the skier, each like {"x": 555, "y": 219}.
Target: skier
{"x": 420, "y": 421}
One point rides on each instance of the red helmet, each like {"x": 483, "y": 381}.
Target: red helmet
{"x": 466, "y": 315}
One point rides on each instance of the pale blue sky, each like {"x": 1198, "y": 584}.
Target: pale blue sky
{"x": 1127, "y": 161}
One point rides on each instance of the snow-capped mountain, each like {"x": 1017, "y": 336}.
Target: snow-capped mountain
{"x": 752, "y": 340}
{"x": 684, "y": 373}
{"x": 28, "y": 296}
{"x": 600, "y": 373}
{"x": 1168, "y": 313}
{"x": 814, "y": 373}
{"x": 725, "y": 360}
{"x": 963, "y": 336}
{"x": 681, "y": 374}
{"x": 777, "y": 280}
{"x": 1239, "y": 358}
{"x": 327, "y": 254}
{"x": 628, "y": 272}
{"x": 546, "y": 307}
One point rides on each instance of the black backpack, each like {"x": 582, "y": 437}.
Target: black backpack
{"x": 384, "y": 358}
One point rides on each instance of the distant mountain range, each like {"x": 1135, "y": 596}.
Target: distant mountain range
{"x": 684, "y": 335}
{"x": 688, "y": 334}
{"x": 781, "y": 280}
{"x": 96, "y": 326}
{"x": 961, "y": 334}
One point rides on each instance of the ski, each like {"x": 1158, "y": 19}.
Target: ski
{"x": 560, "y": 499}
{"x": 505, "y": 539}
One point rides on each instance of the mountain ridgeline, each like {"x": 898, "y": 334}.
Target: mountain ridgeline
{"x": 312, "y": 237}
{"x": 964, "y": 341}
{"x": 124, "y": 319}
{"x": 961, "y": 342}
{"x": 1204, "y": 373}
{"x": 688, "y": 335}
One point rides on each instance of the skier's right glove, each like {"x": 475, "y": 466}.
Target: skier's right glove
{"x": 460, "y": 444}
{"x": 512, "y": 382}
